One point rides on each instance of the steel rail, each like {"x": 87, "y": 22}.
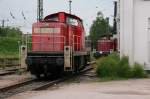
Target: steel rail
{"x": 35, "y": 85}
{"x": 49, "y": 84}
{"x": 4, "y": 89}
{"x": 7, "y": 73}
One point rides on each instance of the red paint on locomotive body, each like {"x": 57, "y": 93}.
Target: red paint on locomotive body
{"x": 56, "y": 31}
{"x": 105, "y": 45}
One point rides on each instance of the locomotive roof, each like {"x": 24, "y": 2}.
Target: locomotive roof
{"x": 67, "y": 14}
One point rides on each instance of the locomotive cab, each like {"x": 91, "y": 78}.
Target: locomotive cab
{"x": 56, "y": 44}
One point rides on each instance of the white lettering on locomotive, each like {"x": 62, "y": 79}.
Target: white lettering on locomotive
{"x": 46, "y": 30}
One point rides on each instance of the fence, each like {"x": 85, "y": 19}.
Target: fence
{"x": 7, "y": 62}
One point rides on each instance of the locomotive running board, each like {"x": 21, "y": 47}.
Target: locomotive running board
{"x": 68, "y": 59}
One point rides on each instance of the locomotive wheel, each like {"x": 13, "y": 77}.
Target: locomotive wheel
{"x": 45, "y": 71}
{"x": 76, "y": 64}
{"x": 38, "y": 76}
{"x": 45, "y": 75}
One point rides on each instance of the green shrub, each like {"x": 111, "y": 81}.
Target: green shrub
{"x": 124, "y": 69}
{"x": 138, "y": 71}
{"x": 114, "y": 56}
{"x": 106, "y": 67}
{"x": 124, "y": 61}
{"x": 113, "y": 67}
{"x": 9, "y": 46}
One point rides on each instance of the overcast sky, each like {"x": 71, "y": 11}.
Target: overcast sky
{"x": 86, "y": 9}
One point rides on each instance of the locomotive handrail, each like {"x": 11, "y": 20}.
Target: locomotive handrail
{"x": 77, "y": 40}
{"x": 46, "y": 35}
{"x": 43, "y": 42}
{"x": 62, "y": 41}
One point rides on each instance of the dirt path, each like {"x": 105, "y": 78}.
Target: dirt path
{"x": 84, "y": 88}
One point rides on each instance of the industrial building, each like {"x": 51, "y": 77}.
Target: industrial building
{"x": 134, "y": 28}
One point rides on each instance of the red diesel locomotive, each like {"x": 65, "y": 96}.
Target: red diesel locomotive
{"x": 106, "y": 45}
{"x": 57, "y": 45}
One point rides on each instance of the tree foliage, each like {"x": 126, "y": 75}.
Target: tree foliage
{"x": 9, "y": 38}
{"x": 10, "y": 32}
{"x": 99, "y": 28}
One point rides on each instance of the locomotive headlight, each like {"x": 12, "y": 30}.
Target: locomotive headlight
{"x": 101, "y": 52}
{"x": 59, "y": 61}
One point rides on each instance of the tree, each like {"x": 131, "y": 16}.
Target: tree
{"x": 99, "y": 28}
{"x": 10, "y": 32}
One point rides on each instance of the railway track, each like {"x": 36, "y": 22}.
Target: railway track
{"x": 44, "y": 87}
{"x": 11, "y": 68}
{"x": 34, "y": 85}
{"x": 7, "y": 73}
{"x": 19, "y": 88}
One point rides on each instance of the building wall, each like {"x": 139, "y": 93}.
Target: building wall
{"x": 142, "y": 45}
{"x": 126, "y": 28}
{"x": 134, "y": 34}
{"x": 118, "y": 24}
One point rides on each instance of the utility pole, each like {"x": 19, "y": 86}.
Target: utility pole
{"x": 39, "y": 10}
{"x": 107, "y": 20}
{"x": 3, "y": 22}
{"x": 115, "y": 16}
{"x": 70, "y": 1}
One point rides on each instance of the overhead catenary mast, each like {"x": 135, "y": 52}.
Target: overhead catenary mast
{"x": 39, "y": 10}
{"x": 3, "y": 22}
{"x": 115, "y": 18}
{"x": 70, "y": 1}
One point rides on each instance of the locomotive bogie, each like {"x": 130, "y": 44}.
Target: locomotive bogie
{"x": 54, "y": 64}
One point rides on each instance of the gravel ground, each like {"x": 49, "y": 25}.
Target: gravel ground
{"x": 84, "y": 87}
{"x": 12, "y": 79}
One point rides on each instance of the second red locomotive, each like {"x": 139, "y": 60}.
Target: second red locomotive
{"x": 57, "y": 45}
{"x": 106, "y": 45}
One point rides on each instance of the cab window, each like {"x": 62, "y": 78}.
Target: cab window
{"x": 71, "y": 21}
{"x": 53, "y": 18}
